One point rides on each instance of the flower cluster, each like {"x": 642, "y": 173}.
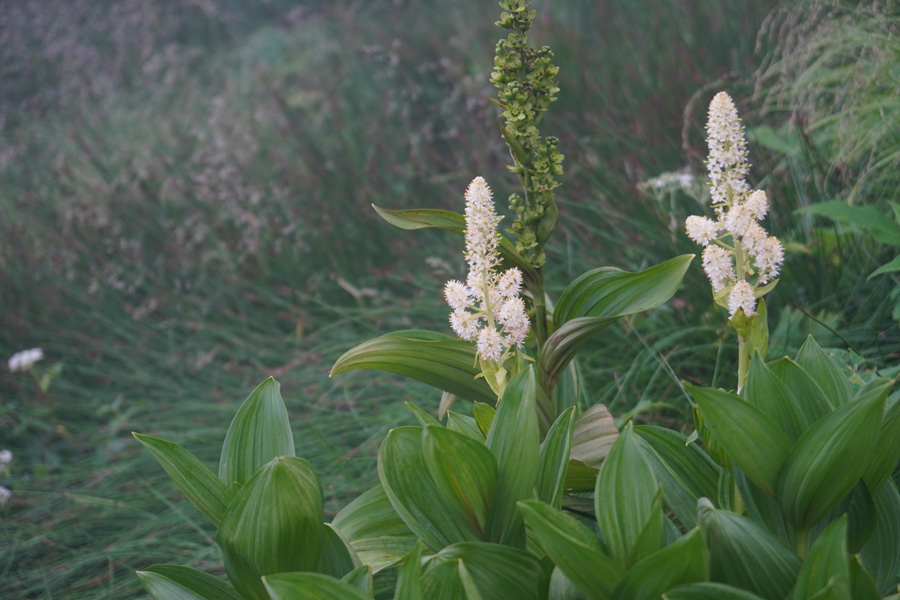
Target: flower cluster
{"x": 24, "y": 360}
{"x": 487, "y": 307}
{"x": 738, "y": 212}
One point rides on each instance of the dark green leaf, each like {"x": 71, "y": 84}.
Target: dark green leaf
{"x": 881, "y": 554}
{"x": 862, "y": 586}
{"x": 259, "y": 432}
{"x": 408, "y": 575}
{"x": 495, "y": 571}
{"x": 772, "y": 397}
{"x": 888, "y": 267}
{"x": 809, "y": 396}
{"x": 337, "y": 558}
{"x": 361, "y": 579}
{"x": 826, "y": 564}
{"x": 555, "y": 451}
{"x": 173, "y": 582}
{"x": 198, "y": 484}
{"x": 650, "y": 539}
{"x": 825, "y": 371}
{"x": 708, "y": 591}
{"x": 310, "y": 586}
{"x": 867, "y": 217}
{"x": 764, "y": 509}
{"x": 464, "y": 424}
{"x": 685, "y": 561}
{"x": 439, "y": 360}
{"x": 484, "y": 416}
{"x": 887, "y": 450}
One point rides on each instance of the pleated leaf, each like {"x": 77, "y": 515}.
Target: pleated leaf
{"x": 173, "y": 582}
{"x": 826, "y": 565}
{"x": 412, "y": 492}
{"x": 811, "y": 399}
{"x": 495, "y": 570}
{"x": 825, "y": 371}
{"x": 751, "y": 438}
{"x": 515, "y": 442}
{"x": 580, "y": 477}
{"x": 594, "y": 435}
{"x": 763, "y": 509}
{"x": 421, "y": 415}
{"x": 862, "y": 586}
{"x": 361, "y": 579}
{"x": 708, "y": 591}
{"x": 408, "y": 574}
{"x": 574, "y": 549}
{"x": 828, "y": 460}
{"x": 464, "y": 424}
{"x": 484, "y": 416}
{"x": 273, "y": 525}
{"x": 685, "y": 561}
{"x": 887, "y": 450}
{"x": 310, "y": 586}
{"x": 772, "y": 397}
{"x": 881, "y": 554}
{"x": 198, "y": 484}
{"x": 337, "y": 557}
{"x": 554, "y": 459}
{"x": 464, "y": 472}
{"x": 439, "y": 360}
{"x": 259, "y": 432}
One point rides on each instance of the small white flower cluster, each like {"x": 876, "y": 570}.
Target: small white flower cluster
{"x": 4, "y": 495}
{"x": 738, "y": 212}
{"x": 5, "y": 459}
{"x": 486, "y": 300}
{"x": 24, "y": 360}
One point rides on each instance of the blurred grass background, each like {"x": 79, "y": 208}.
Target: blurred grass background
{"x": 185, "y": 200}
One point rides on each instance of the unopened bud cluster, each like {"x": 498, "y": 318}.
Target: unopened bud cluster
{"x": 525, "y": 79}
{"x": 753, "y": 253}
{"x": 487, "y": 307}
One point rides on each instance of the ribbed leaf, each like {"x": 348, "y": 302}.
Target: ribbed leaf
{"x": 259, "y": 432}
{"x": 515, "y": 443}
{"x": 751, "y": 438}
{"x": 809, "y": 396}
{"x": 439, "y": 360}
{"x": 361, "y": 579}
{"x": 484, "y": 416}
{"x": 198, "y": 484}
{"x": 310, "y": 586}
{"x": 464, "y": 424}
{"x": 825, "y": 371}
{"x": 574, "y": 548}
{"x": 763, "y": 509}
{"x": 686, "y": 472}
{"x": 650, "y": 538}
{"x": 337, "y": 557}
{"x": 826, "y": 563}
{"x": 580, "y": 477}
{"x": 497, "y": 571}
{"x": 273, "y": 525}
{"x": 595, "y": 433}
{"x": 421, "y": 415}
{"x": 685, "y": 561}
{"x": 623, "y": 498}
{"x": 862, "y": 586}
{"x": 555, "y": 451}
{"x": 464, "y": 472}
{"x": 772, "y": 397}
{"x": 887, "y": 450}
{"x": 881, "y": 554}
{"x": 408, "y": 574}
{"x": 173, "y": 582}
{"x": 827, "y": 461}
{"x": 745, "y": 556}
{"x": 708, "y": 591}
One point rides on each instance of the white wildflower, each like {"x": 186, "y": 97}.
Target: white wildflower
{"x": 5, "y": 458}
{"x": 510, "y": 283}
{"x": 464, "y": 324}
{"x": 768, "y": 261}
{"x": 490, "y": 344}
{"x": 718, "y": 266}
{"x": 24, "y": 360}
{"x": 737, "y": 219}
{"x": 515, "y": 321}
{"x": 742, "y": 298}
{"x": 482, "y": 237}
{"x": 727, "y": 161}
{"x": 4, "y": 495}
{"x": 753, "y": 239}
{"x": 457, "y": 295}
{"x": 758, "y": 205}
{"x": 701, "y": 229}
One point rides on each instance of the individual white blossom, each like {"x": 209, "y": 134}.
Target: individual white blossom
{"x": 718, "y": 266}
{"x": 24, "y": 360}
{"x": 701, "y": 229}
{"x": 768, "y": 261}
{"x": 464, "y": 324}
{"x": 515, "y": 321}
{"x": 4, "y": 495}
{"x": 753, "y": 238}
{"x": 742, "y": 298}
{"x": 735, "y": 221}
{"x": 5, "y": 458}
{"x": 758, "y": 204}
{"x": 490, "y": 344}
{"x": 510, "y": 283}
{"x": 457, "y": 295}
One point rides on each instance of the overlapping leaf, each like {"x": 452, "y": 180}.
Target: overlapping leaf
{"x": 310, "y": 586}
{"x": 174, "y": 582}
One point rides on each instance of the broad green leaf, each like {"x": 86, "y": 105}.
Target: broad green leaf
{"x": 826, "y": 563}
{"x": 574, "y": 548}
{"x": 484, "y": 416}
{"x": 809, "y": 396}
{"x": 259, "y": 432}
{"x": 746, "y": 556}
{"x": 424, "y": 218}
{"x": 173, "y": 582}
{"x": 685, "y": 561}
{"x": 198, "y": 484}
{"x": 888, "y": 267}
{"x": 708, "y": 591}
{"x": 867, "y": 217}
{"x": 337, "y": 558}
{"x": 273, "y": 525}
{"x": 515, "y": 442}
{"x": 862, "y": 586}
{"x": 310, "y": 586}
{"x": 468, "y": 583}
{"x": 752, "y": 439}
{"x": 464, "y": 472}
{"x": 623, "y": 498}
{"x": 881, "y": 554}
{"x": 580, "y": 477}
{"x": 595, "y": 433}
{"x": 496, "y": 570}
{"x": 686, "y": 472}
{"x": 554, "y": 459}
{"x": 464, "y": 424}
{"x": 439, "y": 360}
{"x": 408, "y": 574}
{"x": 361, "y": 579}
{"x": 764, "y": 509}
{"x": 887, "y": 450}
{"x": 827, "y": 461}
{"x": 772, "y": 397}
{"x": 563, "y": 588}
{"x": 422, "y": 416}
{"x": 650, "y": 538}
{"x": 825, "y": 371}
{"x": 413, "y": 493}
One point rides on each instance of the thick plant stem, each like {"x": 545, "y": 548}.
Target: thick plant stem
{"x": 743, "y": 361}
{"x": 540, "y": 312}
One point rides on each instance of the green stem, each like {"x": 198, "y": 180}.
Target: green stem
{"x": 743, "y": 361}
{"x": 540, "y": 310}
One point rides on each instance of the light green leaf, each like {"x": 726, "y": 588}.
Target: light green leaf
{"x": 686, "y": 472}
{"x": 595, "y": 433}
{"x": 464, "y": 472}
{"x": 881, "y": 554}
{"x": 464, "y": 424}
{"x": 824, "y": 371}
{"x": 497, "y": 571}
{"x": 259, "y": 432}
{"x": 408, "y": 575}
{"x": 888, "y": 267}
{"x": 563, "y": 588}
{"x": 310, "y": 586}
{"x": 650, "y": 538}
{"x": 763, "y": 509}
{"x": 827, "y": 461}
{"x": 751, "y": 438}
{"x": 337, "y": 557}
{"x": 826, "y": 564}
{"x": 745, "y": 556}
{"x": 422, "y": 416}
{"x": 198, "y": 484}
{"x": 484, "y": 416}
{"x": 515, "y": 443}
{"x": 273, "y": 525}
{"x": 708, "y": 591}
{"x": 361, "y": 579}
{"x": 439, "y": 360}
{"x": 413, "y": 493}
{"x": 685, "y": 561}
{"x": 862, "y": 586}
{"x": 624, "y": 496}
{"x": 173, "y": 582}
{"x": 809, "y": 396}
{"x": 887, "y": 450}
{"x": 574, "y": 548}
{"x": 554, "y": 459}
{"x": 772, "y": 397}
{"x": 867, "y": 217}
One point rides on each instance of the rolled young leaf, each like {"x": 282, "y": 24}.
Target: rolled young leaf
{"x": 259, "y": 432}
{"x": 555, "y": 450}
{"x": 273, "y": 525}
{"x": 174, "y": 582}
